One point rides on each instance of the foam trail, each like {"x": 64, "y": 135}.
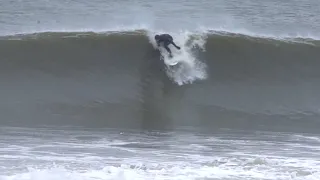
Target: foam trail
{"x": 189, "y": 68}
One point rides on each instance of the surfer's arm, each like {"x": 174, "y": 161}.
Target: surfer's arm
{"x": 174, "y": 45}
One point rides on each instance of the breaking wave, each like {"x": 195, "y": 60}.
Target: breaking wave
{"x": 120, "y": 75}
{"x": 233, "y": 49}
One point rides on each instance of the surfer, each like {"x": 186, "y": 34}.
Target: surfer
{"x": 166, "y": 40}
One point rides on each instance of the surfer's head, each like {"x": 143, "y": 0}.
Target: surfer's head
{"x": 156, "y": 37}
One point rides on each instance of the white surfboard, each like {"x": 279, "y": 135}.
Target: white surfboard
{"x": 171, "y": 61}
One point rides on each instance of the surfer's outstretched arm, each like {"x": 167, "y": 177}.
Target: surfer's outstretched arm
{"x": 174, "y": 45}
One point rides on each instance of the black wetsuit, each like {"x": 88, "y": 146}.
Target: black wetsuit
{"x": 166, "y": 40}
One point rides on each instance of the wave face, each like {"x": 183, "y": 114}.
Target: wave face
{"x": 118, "y": 78}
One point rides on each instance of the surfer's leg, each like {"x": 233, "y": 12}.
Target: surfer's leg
{"x": 167, "y": 48}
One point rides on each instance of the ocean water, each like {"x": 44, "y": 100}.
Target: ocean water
{"x": 73, "y": 153}
{"x": 85, "y": 95}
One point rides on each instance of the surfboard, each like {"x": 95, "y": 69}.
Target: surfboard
{"x": 171, "y": 61}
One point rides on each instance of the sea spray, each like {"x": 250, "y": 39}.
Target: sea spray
{"x": 188, "y": 68}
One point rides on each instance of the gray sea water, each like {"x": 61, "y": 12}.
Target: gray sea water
{"x": 84, "y": 94}
{"x": 272, "y": 17}
{"x": 73, "y": 153}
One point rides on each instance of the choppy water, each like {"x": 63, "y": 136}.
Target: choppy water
{"x": 87, "y": 154}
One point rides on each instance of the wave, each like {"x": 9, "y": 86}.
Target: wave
{"x": 117, "y": 74}
{"x": 255, "y": 55}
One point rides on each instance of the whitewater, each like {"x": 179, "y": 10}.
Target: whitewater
{"x": 74, "y": 153}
